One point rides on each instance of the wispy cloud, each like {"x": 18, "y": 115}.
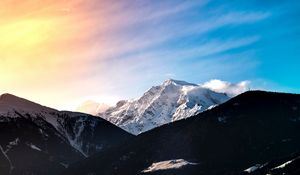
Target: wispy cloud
{"x": 95, "y": 48}
{"x": 162, "y": 36}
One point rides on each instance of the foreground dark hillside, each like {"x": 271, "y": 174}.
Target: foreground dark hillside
{"x": 252, "y": 128}
{"x": 36, "y": 140}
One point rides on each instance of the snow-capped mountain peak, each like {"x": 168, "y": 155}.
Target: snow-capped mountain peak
{"x": 172, "y": 100}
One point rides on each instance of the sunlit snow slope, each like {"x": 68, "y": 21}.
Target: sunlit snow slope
{"x": 171, "y": 101}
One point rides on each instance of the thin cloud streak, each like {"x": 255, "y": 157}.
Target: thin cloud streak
{"x": 155, "y": 36}
{"x": 97, "y": 48}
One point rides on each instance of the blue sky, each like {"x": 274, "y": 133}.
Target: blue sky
{"x": 198, "y": 41}
{"x": 111, "y": 50}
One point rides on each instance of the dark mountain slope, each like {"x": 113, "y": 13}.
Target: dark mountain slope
{"x": 252, "y": 128}
{"x": 29, "y": 148}
{"x": 43, "y": 141}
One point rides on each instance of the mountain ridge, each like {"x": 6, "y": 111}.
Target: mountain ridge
{"x": 252, "y": 128}
{"x": 172, "y": 100}
{"x": 12, "y": 102}
{"x": 49, "y": 140}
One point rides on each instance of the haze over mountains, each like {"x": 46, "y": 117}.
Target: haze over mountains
{"x": 92, "y": 107}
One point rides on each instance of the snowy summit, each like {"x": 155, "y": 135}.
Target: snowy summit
{"x": 173, "y": 100}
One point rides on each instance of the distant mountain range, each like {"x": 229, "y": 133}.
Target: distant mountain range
{"x": 171, "y": 101}
{"x": 254, "y": 133}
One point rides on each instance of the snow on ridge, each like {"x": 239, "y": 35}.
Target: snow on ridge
{"x": 54, "y": 118}
{"x": 32, "y": 146}
{"x": 259, "y": 166}
{"x": 8, "y": 159}
{"x": 14, "y": 107}
{"x": 167, "y": 165}
{"x": 178, "y": 83}
{"x": 79, "y": 125}
{"x": 253, "y": 168}
{"x": 286, "y": 163}
{"x": 172, "y": 100}
{"x": 64, "y": 164}
{"x": 11, "y": 144}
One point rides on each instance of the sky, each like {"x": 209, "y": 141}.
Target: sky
{"x": 62, "y": 52}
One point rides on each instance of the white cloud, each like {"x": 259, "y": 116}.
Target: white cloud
{"x": 232, "y": 89}
{"x": 92, "y": 107}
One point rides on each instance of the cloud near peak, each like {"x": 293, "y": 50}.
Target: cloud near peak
{"x": 232, "y": 89}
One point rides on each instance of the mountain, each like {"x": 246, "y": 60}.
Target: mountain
{"x": 91, "y": 107}
{"x": 253, "y": 128}
{"x": 171, "y": 101}
{"x": 42, "y": 141}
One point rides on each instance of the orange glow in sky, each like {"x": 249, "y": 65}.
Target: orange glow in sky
{"x": 42, "y": 47}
